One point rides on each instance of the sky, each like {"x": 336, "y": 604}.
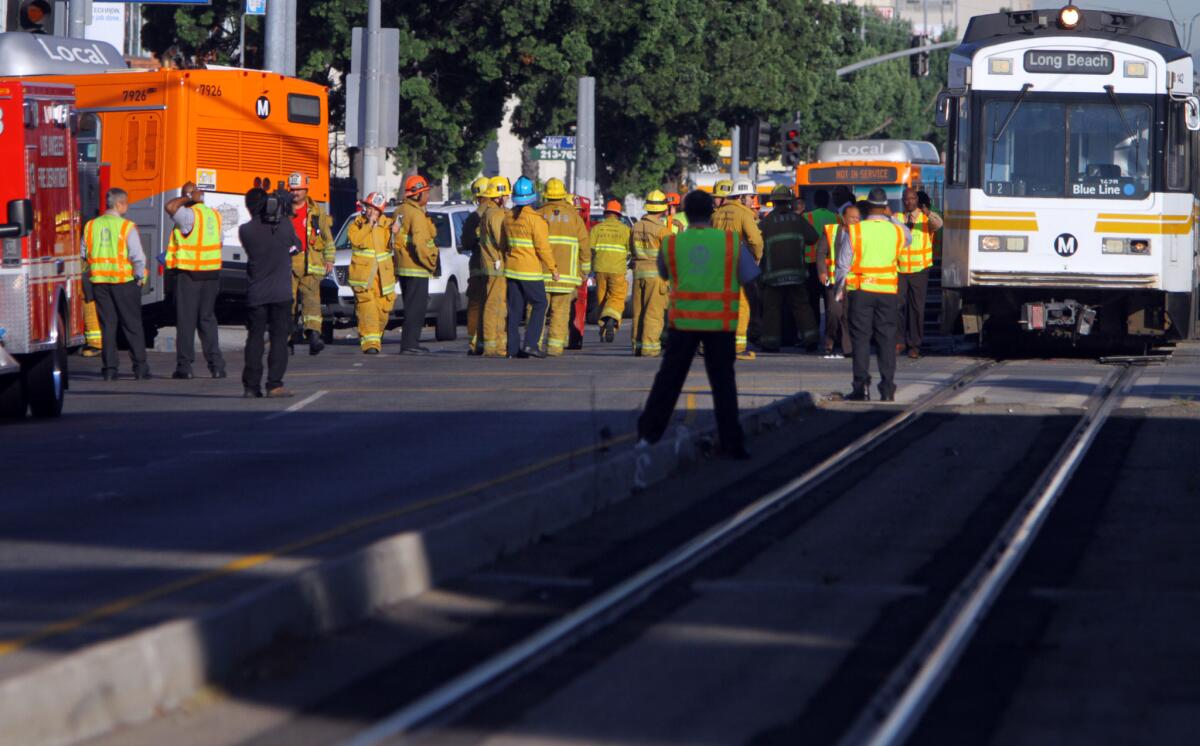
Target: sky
{"x": 1182, "y": 11}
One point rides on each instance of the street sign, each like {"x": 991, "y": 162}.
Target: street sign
{"x": 555, "y": 148}
{"x": 256, "y": 8}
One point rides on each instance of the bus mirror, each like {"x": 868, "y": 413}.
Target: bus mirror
{"x": 941, "y": 116}
{"x": 1191, "y": 113}
{"x": 20, "y": 219}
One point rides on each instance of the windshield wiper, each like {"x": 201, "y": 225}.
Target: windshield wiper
{"x": 1012, "y": 113}
{"x": 1112, "y": 96}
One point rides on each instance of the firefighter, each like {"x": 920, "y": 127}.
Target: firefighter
{"x": 527, "y": 261}
{"x": 495, "y": 302}
{"x": 679, "y": 221}
{"x": 785, "y": 235}
{"x": 649, "y": 288}
{"x": 737, "y": 216}
{"x": 194, "y": 259}
{"x": 372, "y": 273}
{"x": 477, "y": 284}
{"x": 837, "y": 324}
{"x": 569, "y": 242}
{"x": 610, "y": 259}
{"x": 116, "y": 271}
{"x": 871, "y": 251}
{"x": 315, "y": 260}
{"x": 721, "y": 191}
{"x": 416, "y": 260}
{"x": 922, "y": 222}
{"x": 93, "y": 338}
{"x": 706, "y": 269}
{"x": 819, "y": 218}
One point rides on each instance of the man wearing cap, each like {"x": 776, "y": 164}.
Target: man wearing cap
{"x": 784, "y": 273}
{"x": 871, "y": 251}
{"x": 372, "y": 275}
{"x": 416, "y": 260}
{"x": 194, "y": 259}
{"x": 737, "y": 216}
{"x": 573, "y": 257}
{"x": 315, "y": 259}
{"x": 610, "y": 259}
{"x": 477, "y": 284}
{"x": 649, "y": 289}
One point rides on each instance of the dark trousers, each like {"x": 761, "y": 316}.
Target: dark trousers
{"x": 274, "y": 319}
{"x": 837, "y": 322}
{"x": 812, "y": 285}
{"x": 668, "y": 383}
{"x": 196, "y": 311}
{"x": 873, "y": 316}
{"x": 913, "y": 288}
{"x": 121, "y": 305}
{"x": 415, "y": 293}
{"x": 520, "y": 294}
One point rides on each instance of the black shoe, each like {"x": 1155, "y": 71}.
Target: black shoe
{"x": 252, "y": 393}
{"x": 109, "y": 374}
{"x": 531, "y": 352}
{"x": 418, "y": 350}
{"x": 182, "y": 375}
{"x": 610, "y": 330}
{"x": 858, "y": 395}
{"x": 887, "y": 394}
{"x": 142, "y": 374}
{"x": 371, "y": 351}
{"x": 315, "y": 343}
{"x": 218, "y": 373}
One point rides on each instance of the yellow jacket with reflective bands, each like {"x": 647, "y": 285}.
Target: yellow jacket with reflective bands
{"x": 610, "y": 246}
{"x": 200, "y": 250}
{"x": 569, "y": 242}
{"x": 736, "y": 217}
{"x": 415, "y": 247}
{"x": 371, "y": 255}
{"x": 321, "y": 249}
{"x": 645, "y": 242}
{"x": 470, "y": 239}
{"x": 526, "y": 244}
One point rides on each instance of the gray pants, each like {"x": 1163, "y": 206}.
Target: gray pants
{"x": 415, "y": 293}
{"x": 120, "y": 305}
{"x": 195, "y": 311}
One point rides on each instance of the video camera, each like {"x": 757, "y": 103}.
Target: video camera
{"x": 274, "y": 206}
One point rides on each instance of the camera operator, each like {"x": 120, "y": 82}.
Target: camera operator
{"x": 270, "y": 241}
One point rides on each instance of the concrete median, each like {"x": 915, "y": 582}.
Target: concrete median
{"x": 133, "y": 678}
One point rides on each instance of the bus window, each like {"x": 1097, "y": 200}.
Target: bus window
{"x": 140, "y": 159}
{"x": 304, "y": 109}
{"x": 1178, "y": 148}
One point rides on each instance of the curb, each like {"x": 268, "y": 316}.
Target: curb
{"x": 131, "y": 679}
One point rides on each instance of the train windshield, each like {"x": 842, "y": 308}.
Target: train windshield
{"x": 1098, "y": 148}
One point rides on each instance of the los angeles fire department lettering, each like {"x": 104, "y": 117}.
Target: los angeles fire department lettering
{"x": 53, "y": 145}
{"x": 51, "y": 178}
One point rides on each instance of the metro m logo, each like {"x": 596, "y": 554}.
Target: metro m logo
{"x": 262, "y": 107}
{"x": 1066, "y": 244}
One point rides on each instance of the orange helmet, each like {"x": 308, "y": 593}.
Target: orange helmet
{"x": 613, "y": 206}
{"x": 297, "y": 180}
{"x": 414, "y": 185}
{"x": 673, "y": 199}
{"x": 376, "y": 200}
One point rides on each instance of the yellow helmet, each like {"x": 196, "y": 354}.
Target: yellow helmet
{"x": 556, "y": 189}
{"x": 723, "y": 188}
{"x": 479, "y": 187}
{"x": 656, "y": 201}
{"x": 498, "y": 186}
{"x": 782, "y": 194}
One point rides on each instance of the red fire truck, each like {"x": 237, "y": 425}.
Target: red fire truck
{"x": 41, "y": 294}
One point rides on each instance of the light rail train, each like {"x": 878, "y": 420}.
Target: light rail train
{"x": 1073, "y": 171}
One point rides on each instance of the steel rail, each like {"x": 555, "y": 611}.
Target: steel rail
{"x": 619, "y": 599}
{"x": 900, "y": 703}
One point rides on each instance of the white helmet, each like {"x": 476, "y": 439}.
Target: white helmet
{"x": 742, "y": 188}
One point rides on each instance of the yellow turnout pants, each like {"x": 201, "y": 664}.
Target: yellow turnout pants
{"x": 372, "y": 308}
{"x": 649, "y": 315}
{"x": 739, "y": 339}
{"x": 495, "y": 317}
{"x": 309, "y": 287}
{"x": 611, "y": 289}
{"x": 558, "y": 321}
{"x": 476, "y": 295}
{"x": 91, "y": 325}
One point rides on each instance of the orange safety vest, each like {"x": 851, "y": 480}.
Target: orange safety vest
{"x": 706, "y": 296}
{"x": 200, "y": 250}
{"x": 877, "y": 245}
{"x": 918, "y": 255}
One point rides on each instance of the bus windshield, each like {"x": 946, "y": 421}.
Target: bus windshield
{"x": 1094, "y": 149}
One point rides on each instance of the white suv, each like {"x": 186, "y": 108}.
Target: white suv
{"x": 447, "y": 288}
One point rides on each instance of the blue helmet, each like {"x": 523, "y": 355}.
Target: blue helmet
{"x": 523, "y": 192}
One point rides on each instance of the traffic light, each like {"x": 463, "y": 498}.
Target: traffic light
{"x": 748, "y": 141}
{"x": 36, "y": 16}
{"x": 918, "y": 64}
{"x": 766, "y": 138}
{"x": 791, "y": 145}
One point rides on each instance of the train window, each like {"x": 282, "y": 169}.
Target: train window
{"x": 1023, "y": 149}
{"x": 1178, "y": 148}
{"x": 1109, "y": 150}
{"x": 962, "y": 150}
{"x": 304, "y": 109}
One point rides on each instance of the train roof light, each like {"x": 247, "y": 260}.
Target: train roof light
{"x": 1069, "y": 17}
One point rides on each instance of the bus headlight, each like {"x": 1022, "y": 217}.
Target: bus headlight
{"x": 1134, "y": 246}
{"x": 1004, "y": 243}
{"x": 1069, "y": 17}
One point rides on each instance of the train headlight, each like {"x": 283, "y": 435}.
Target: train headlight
{"x": 1069, "y": 17}
{"x": 1136, "y": 70}
{"x": 1000, "y": 65}
{"x": 1133, "y": 246}
{"x": 1004, "y": 243}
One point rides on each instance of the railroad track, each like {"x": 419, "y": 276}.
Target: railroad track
{"x": 889, "y": 714}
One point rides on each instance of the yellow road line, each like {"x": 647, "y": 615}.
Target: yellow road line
{"x": 532, "y": 390}
{"x": 251, "y": 561}
{"x": 690, "y": 407}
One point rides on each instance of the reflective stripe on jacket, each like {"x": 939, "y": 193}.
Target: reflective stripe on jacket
{"x": 200, "y": 250}
{"x": 610, "y": 246}
{"x": 736, "y": 217}
{"x": 415, "y": 245}
{"x": 568, "y": 236}
{"x": 705, "y": 294}
{"x": 919, "y": 254}
{"x": 526, "y": 244}
{"x": 783, "y": 249}
{"x": 877, "y": 245}
{"x": 645, "y": 242}
{"x": 107, "y": 239}
{"x": 371, "y": 255}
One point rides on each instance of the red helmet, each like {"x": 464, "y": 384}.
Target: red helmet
{"x": 376, "y": 200}
{"x": 613, "y": 206}
{"x": 414, "y": 185}
{"x": 673, "y": 199}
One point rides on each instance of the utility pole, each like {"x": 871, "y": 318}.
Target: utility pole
{"x": 275, "y": 38}
{"x": 735, "y": 153}
{"x": 80, "y": 12}
{"x": 585, "y": 140}
{"x": 373, "y": 154}
{"x": 289, "y": 55}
